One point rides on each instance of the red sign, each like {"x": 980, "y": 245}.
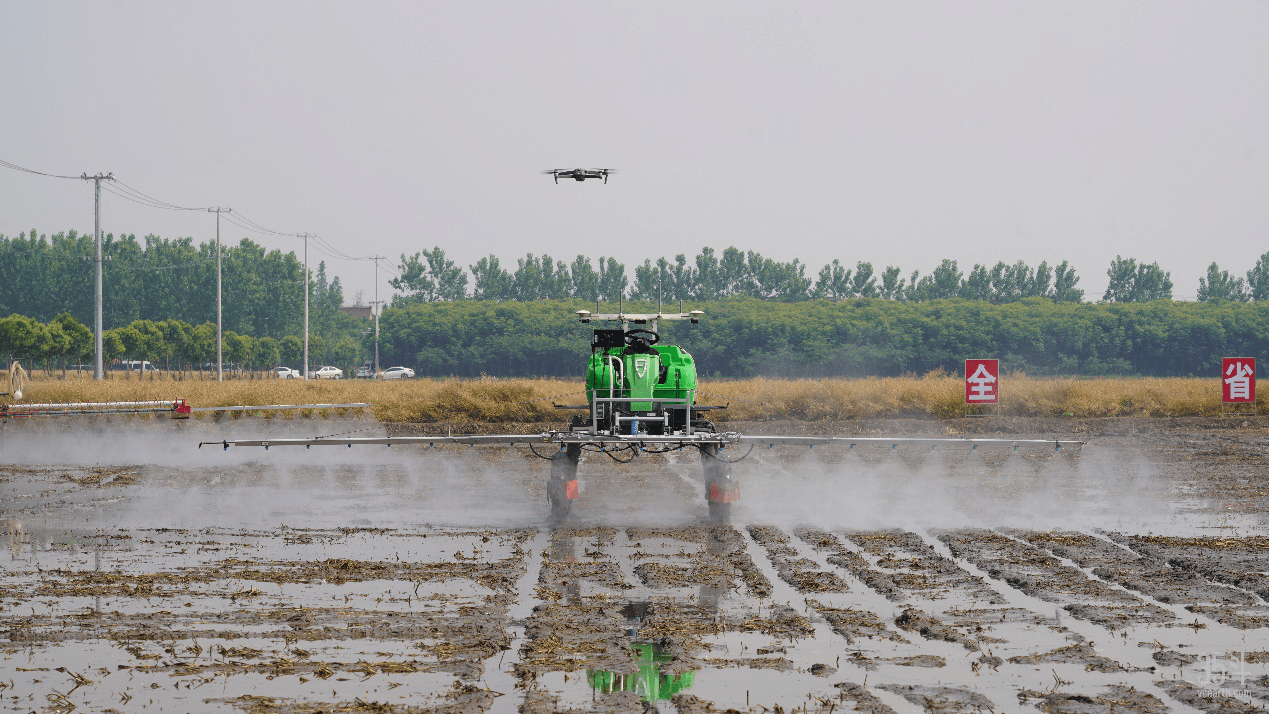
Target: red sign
{"x": 1238, "y": 379}
{"x": 982, "y": 381}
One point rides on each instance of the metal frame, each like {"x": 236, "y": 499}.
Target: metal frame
{"x": 565, "y": 438}
{"x": 178, "y": 408}
{"x": 658, "y": 408}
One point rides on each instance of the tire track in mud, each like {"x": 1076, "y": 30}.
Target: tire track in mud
{"x": 883, "y": 551}
{"x": 499, "y": 675}
{"x": 941, "y": 602}
{"x": 1243, "y": 563}
{"x": 594, "y": 617}
{"x": 578, "y": 625}
{"x": 1035, "y": 572}
{"x": 849, "y": 624}
{"x": 1154, "y": 578}
{"x": 283, "y": 636}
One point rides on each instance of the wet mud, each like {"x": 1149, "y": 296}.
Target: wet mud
{"x": 142, "y": 575}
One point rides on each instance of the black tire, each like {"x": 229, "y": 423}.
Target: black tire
{"x": 561, "y": 507}
{"x": 719, "y": 512}
{"x": 563, "y": 470}
{"x": 717, "y": 473}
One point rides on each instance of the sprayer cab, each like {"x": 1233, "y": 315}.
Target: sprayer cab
{"x": 636, "y": 385}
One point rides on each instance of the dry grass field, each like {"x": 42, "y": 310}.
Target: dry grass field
{"x": 529, "y": 400}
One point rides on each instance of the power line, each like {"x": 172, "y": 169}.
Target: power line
{"x": 139, "y": 197}
{"x": 149, "y": 203}
{"x": 257, "y": 228}
{"x": 15, "y": 167}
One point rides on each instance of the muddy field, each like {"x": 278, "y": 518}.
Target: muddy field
{"x": 140, "y": 572}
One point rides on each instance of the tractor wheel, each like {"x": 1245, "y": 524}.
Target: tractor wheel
{"x": 719, "y": 512}
{"x": 560, "y": 506}
{"x": 717, "y": 473}
{"x": 563, "y": 472}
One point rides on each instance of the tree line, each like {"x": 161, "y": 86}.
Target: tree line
{"x": 65, "y": 343}
{"x": 738, "y": 337}
{"x": 153, "y": 281}
{"x": 857, "y": 337}
{"x": 156, "y": 278}
{"x": 429, "y": 276}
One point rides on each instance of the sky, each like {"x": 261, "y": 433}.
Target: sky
{"x": 898, "y": 133}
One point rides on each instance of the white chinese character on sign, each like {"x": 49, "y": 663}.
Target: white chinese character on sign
{"x": 1239, "y": 380}
{"x": 981, "y": 381}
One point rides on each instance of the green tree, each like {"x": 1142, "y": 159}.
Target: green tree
{"x": 439, "y": 279}
{"x": 1064, "y": 282}
{"x": 491, "y": 282}
{"x": 1258, "y": 279}
{"x": 1219, "y": 285}
{"x": 612, "y": 279}
{"x": 833, "y": 282}
{"x": 291, "y": 350}
{"x": 79, "y": 336}
{"x": 268, "y": 352}
{"x": 891, "y": 284}
{"x": 585, "y": 279}
{"x": 1133, "y": 282}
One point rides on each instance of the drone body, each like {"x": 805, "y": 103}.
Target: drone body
{"x": 579, "y": 174}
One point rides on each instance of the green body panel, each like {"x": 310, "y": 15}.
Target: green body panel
{"x": 649, "y": 683}
{"x": 668, "y": 374}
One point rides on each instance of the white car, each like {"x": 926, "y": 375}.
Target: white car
{"x": 398, "y": 373}
{"x": 285, "y": 373}
{"x": 329, "y": 372}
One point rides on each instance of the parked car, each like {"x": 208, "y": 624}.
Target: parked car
{"x": 398, "y": 373}
{"x": 136, "y": 365}
{"x": 365, "y": 372}
{"x": 226, "y": 367}
{"x": 285, "y": 373}
{"x": 329, "y": 372}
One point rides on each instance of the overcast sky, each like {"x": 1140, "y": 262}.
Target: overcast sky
{"x": 899, "y": 133}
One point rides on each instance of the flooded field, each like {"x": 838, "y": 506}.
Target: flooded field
{"x": 140, "y": 572}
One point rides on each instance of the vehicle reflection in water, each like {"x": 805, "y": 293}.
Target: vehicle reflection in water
{"x": 16, "y": 538}
{"x": 649, "y": 683}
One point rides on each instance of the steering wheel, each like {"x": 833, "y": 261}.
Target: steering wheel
{"x": 655, "y": 338}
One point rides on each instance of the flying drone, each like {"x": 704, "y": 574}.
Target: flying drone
{"x": 580, "y": 174}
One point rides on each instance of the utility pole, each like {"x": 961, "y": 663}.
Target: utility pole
{"x": 99, "y": 372}
{"x": 305, "y": 237}
{"x": 375, "y": 308}
{"x": 220, "y": 372}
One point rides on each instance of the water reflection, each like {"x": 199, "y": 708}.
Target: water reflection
{"x": 16, "y": 538}
{"x": 648, "y": 681}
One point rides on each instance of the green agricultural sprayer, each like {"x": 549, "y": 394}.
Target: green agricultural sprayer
{"x": 641, "y": 399}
